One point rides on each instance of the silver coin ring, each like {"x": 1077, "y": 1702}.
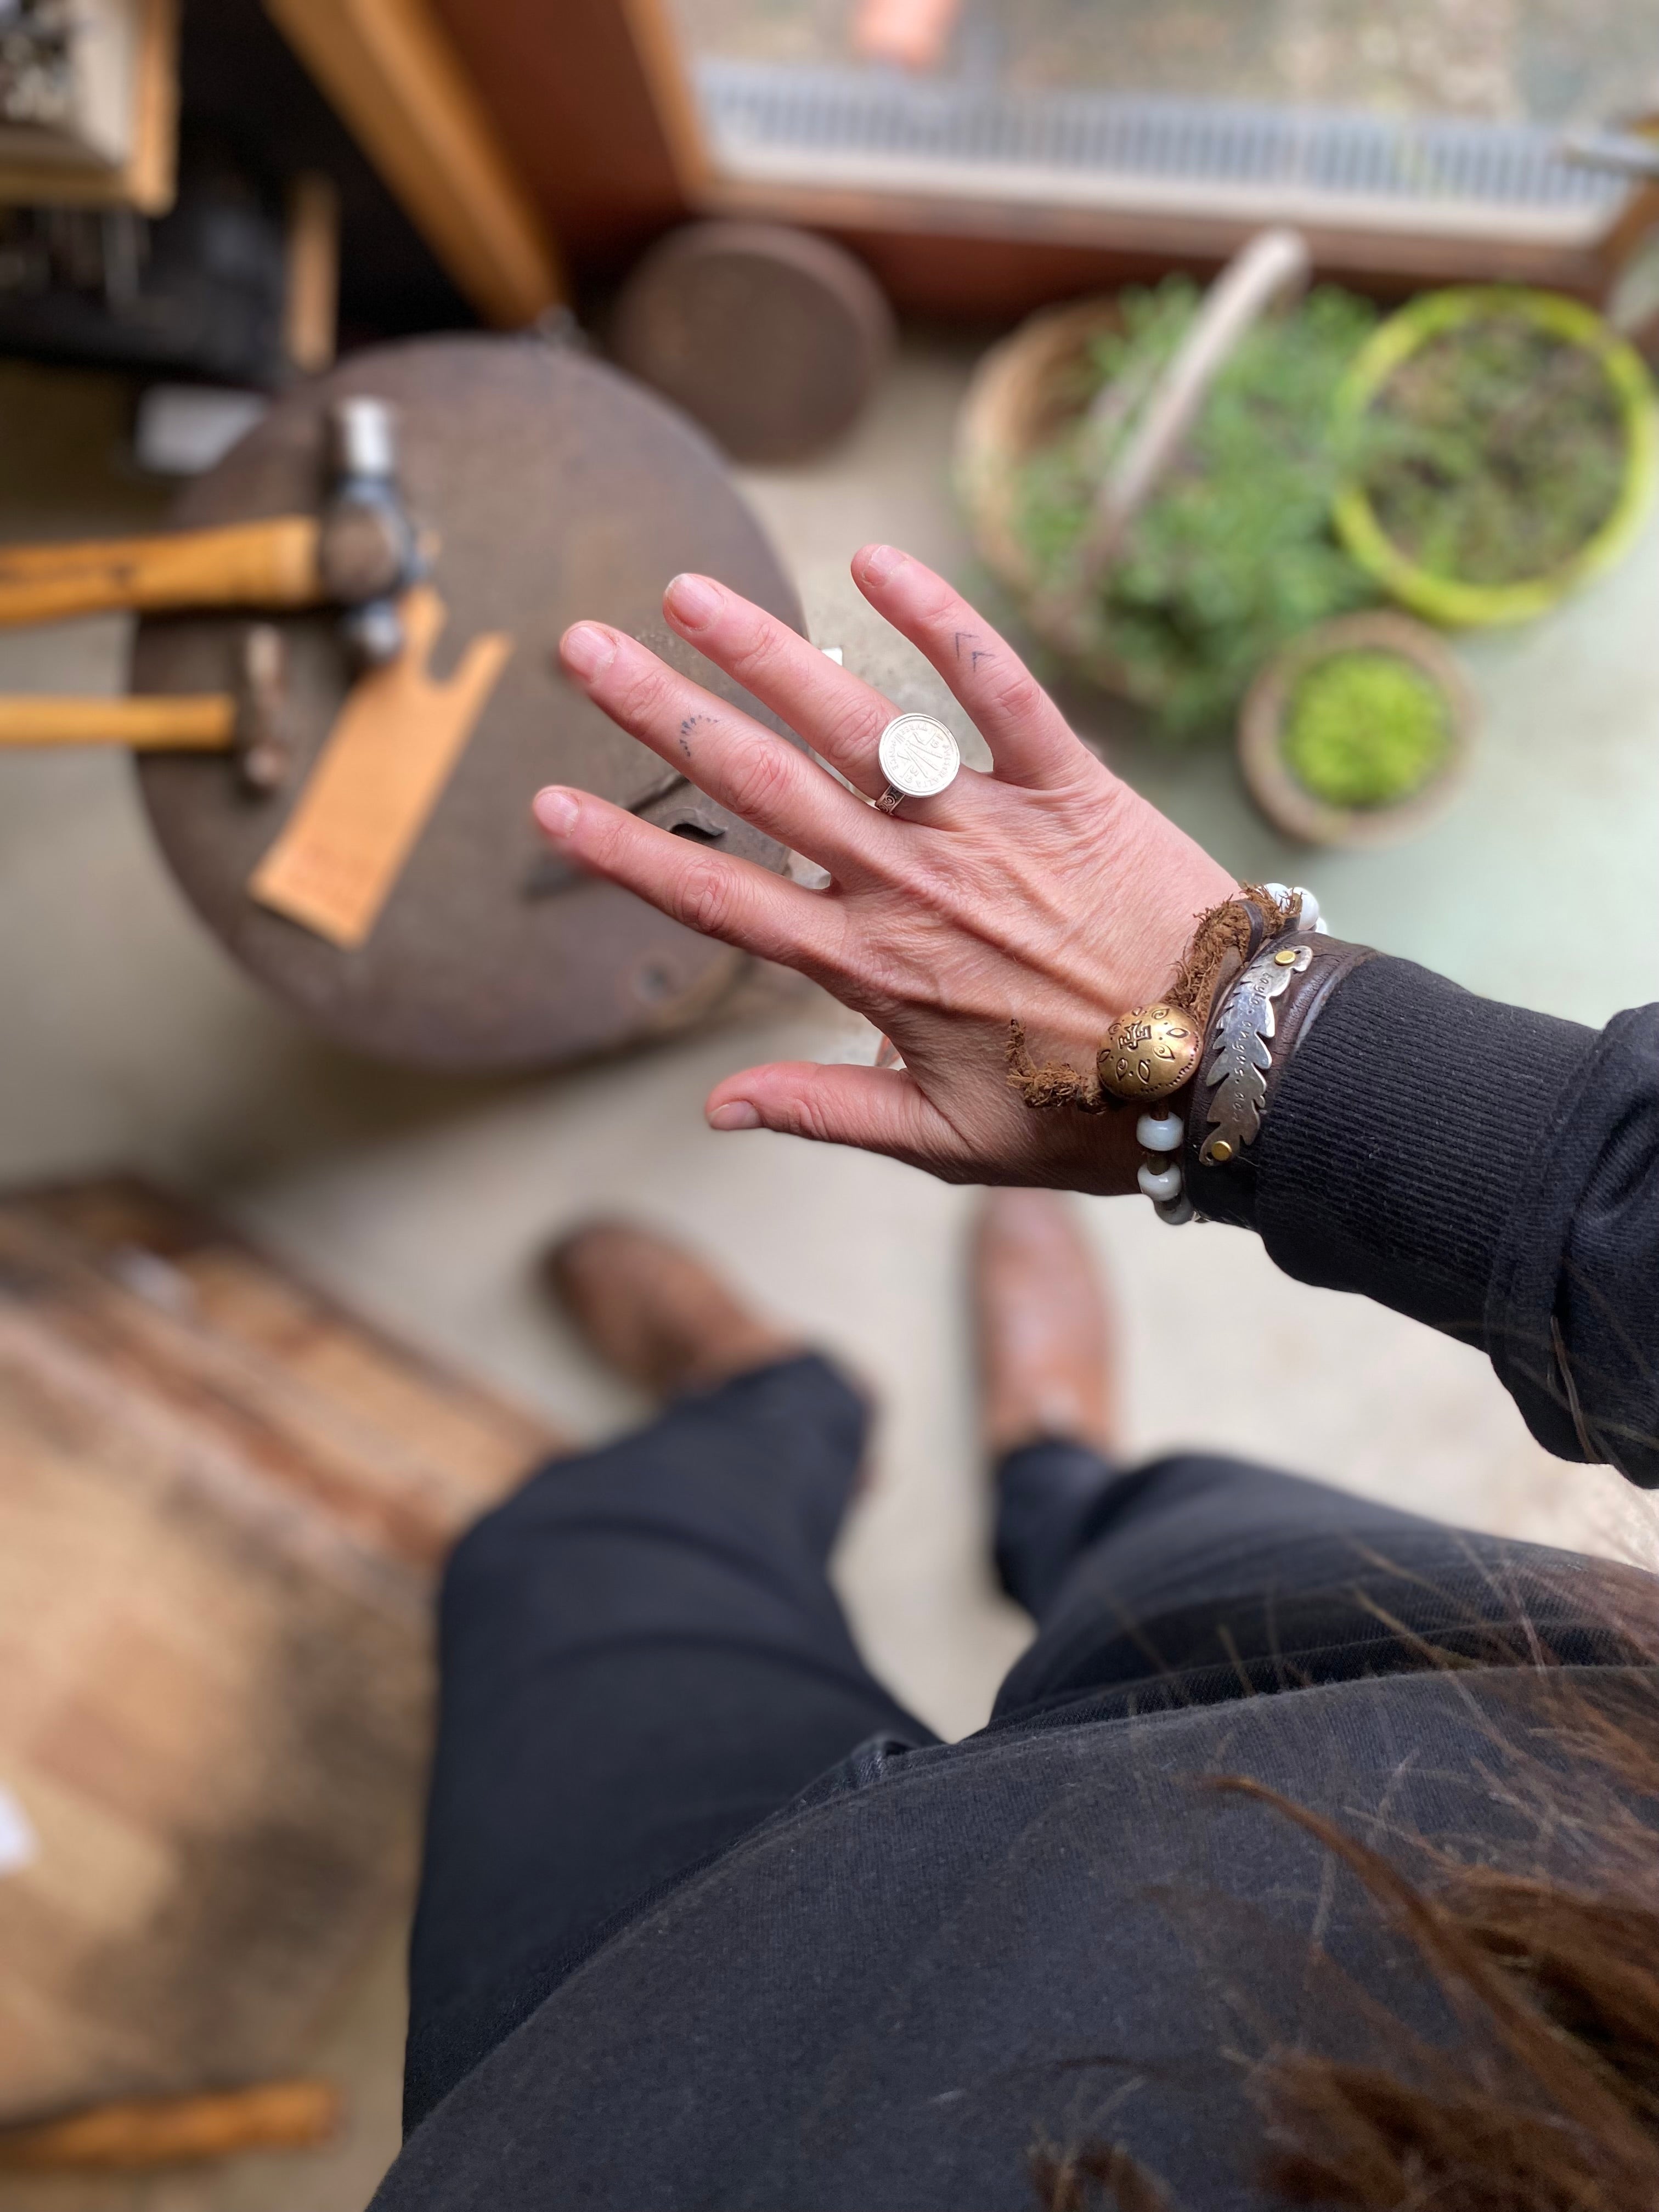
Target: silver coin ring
{"x": 918, "y": 757}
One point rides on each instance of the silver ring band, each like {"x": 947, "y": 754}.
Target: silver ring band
{"x": 892, "y": 798}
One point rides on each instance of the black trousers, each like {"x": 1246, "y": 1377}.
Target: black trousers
{"x": 642, "y": 1658}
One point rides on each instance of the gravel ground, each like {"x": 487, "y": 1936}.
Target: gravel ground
{"x": 1550, "y": 60}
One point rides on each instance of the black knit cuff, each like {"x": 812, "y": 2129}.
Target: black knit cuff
{"x": 1399, "y": 1142}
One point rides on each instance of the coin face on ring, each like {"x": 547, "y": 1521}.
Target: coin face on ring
{"x": 918, "y": 757}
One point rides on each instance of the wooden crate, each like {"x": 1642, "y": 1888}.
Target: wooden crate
{"x": 223, "y": 1503}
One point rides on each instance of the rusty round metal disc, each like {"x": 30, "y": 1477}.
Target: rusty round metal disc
{"x": 552, "y": 489}
{"x": 772, "y": 338}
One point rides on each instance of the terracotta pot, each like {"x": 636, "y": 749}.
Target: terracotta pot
{"x": 1287, "y": 804}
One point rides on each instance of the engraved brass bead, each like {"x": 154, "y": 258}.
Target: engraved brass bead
{"x": 1149, "y": 1052}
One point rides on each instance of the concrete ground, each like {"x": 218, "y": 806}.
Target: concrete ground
{"x": 129, "y": 1039}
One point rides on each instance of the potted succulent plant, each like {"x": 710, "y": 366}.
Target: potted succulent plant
{"x": 1501, "y": 450}
{"x": 1359, "y": 732}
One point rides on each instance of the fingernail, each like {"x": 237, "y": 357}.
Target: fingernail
{"x": 736, "y": 1114}
{"x": 586, "y": 650}
{"x": 880, "y": 562}
{"x": 695, "y": 600}
{"x": 555, "y": 811}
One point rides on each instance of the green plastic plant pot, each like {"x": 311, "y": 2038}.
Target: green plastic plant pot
{"x": 1443, "y": 599}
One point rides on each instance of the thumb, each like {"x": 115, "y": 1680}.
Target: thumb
{"x": 879, "y": 1109}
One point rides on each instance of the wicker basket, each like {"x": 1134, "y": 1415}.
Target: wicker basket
{"x": 1025, "y": 394}
{"x": 1030, "y": 389}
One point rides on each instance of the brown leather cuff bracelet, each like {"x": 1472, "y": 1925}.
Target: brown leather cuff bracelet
{"x": 1254, "y": 1028}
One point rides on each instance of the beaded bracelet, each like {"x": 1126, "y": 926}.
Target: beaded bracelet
{"x": 1153, "y": 1052}
{"x": 1161, "y": 1134}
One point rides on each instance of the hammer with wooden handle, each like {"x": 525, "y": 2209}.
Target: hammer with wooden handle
{"x": 248, "y": 722}
{"x": 360, "y": 554}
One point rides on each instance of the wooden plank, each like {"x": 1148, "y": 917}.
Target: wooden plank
{"x": 658, "y": 43}
{"x": 311, "y": 293}
{"x": 577, "y": 92}
{"x": 152, "y": 173}
{"x": 975, "y": 260}
{"x": 149, "y": 2131}
{"x": 395, "y": 76}
{"x": 221, "y": 1502}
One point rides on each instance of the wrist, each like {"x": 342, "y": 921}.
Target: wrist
{"x": 1169, "y": 882}
{"x": 1192, "y": 1066}
{"x": 1194, "y": 1063}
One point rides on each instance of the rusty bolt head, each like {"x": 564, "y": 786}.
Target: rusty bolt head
{"x": 264, "y": 754}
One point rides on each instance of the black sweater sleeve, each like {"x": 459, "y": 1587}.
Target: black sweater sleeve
{"x": 1494, "y": 1173}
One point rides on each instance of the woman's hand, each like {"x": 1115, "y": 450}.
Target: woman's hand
{"x": 1046, "y": 891}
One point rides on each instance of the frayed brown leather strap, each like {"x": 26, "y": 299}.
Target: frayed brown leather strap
{"x": 1225, "y": 940}
{"x": 1053, "y": 1083}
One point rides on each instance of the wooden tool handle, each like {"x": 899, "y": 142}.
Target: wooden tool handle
{"x": 200, "y": 722}
{"x": 146, "y": 2131}
{"x": 249, "y": 564}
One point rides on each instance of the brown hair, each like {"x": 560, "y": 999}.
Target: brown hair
{"x": 1552, "y": 2104}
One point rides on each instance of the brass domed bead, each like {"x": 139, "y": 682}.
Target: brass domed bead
{"x": 1149, "y": 1052}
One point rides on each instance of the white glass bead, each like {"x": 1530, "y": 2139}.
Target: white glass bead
{"x": 1312, "y": 918}
{"x": 1174, "y": 1210}
{"x": 1160, "y": 1183}
{"x": 1159, "y": 1132}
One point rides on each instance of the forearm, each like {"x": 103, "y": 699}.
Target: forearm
{"x": 1493, "y": 1172}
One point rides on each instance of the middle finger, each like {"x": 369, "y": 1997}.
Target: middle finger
{"x": 758, "y": 775}
{"x": 833, "y": 709}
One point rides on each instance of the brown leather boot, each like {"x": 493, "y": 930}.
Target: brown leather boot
{"x": 1044, "y": 1327}
{"x": 656, "y": 1312}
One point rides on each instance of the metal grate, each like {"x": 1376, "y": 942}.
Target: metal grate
{"x": 765, "y": 115}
